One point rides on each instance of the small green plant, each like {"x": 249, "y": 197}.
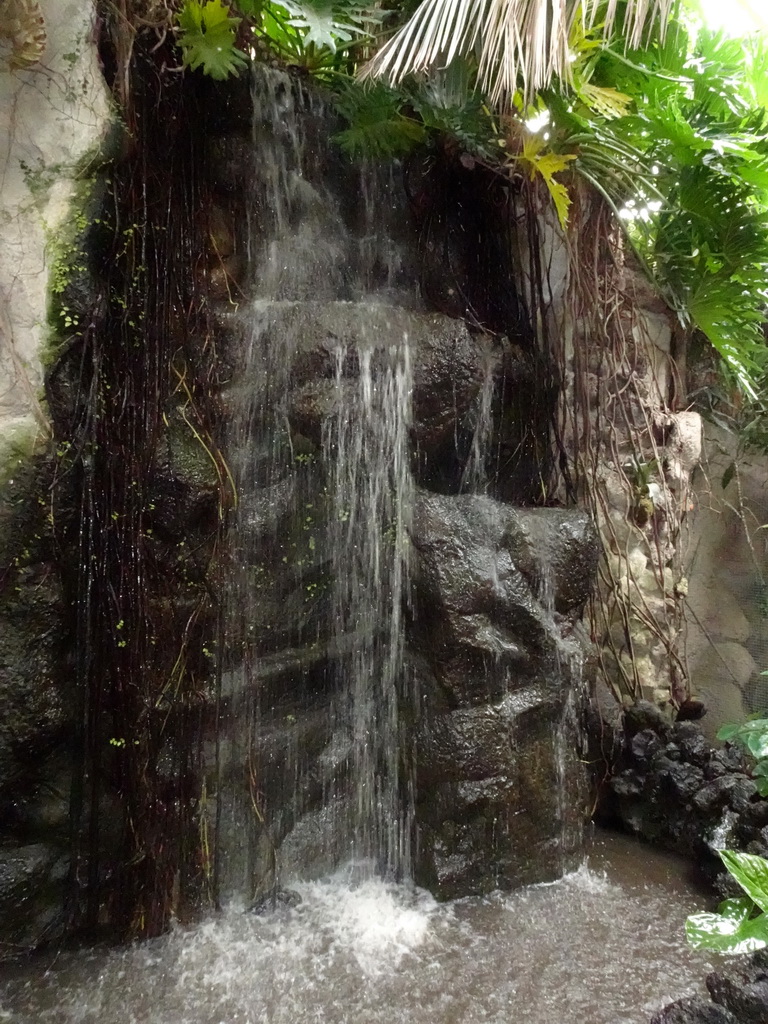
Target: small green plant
{"x": 207, "y": 39}
{"x": 752, "y": 736}
{"x": 741, "y": 924}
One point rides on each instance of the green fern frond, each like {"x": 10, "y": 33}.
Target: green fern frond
{"x": 377, "y": 127}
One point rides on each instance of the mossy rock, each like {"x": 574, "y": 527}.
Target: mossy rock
{"x": 78, "y": 250}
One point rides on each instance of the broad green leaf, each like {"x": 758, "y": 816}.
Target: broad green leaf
{"x": 377, "y": 128}
{"x": 216, "y": 17}
{"x": 727, "y": 732}
{"x": 190, "y": 17}
{"x": 737, "y": 908}
{"x": 757, "y": 742}
{"x": 731, "y": 932}
{"x": 208, "y": 39}
{"x": 751, "y": 872}
{"x": 547, "y": 164}
{"x": 319, "y": 22}
{"x": 386, "y": 139}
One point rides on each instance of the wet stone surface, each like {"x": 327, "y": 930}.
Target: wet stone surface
{"x": 500, "y": 796}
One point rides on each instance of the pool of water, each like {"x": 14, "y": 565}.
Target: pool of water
{"x": 604, "y": 945}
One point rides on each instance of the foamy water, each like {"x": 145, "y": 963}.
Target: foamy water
{"x": 593, "y": 948}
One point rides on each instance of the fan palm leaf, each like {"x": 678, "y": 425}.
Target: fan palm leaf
{"x": 518, "y": 42}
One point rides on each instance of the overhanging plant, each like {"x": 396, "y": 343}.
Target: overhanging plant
{"x": 312, "y": 34}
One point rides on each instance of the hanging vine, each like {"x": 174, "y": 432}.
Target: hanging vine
{"x": 140, "y": 507}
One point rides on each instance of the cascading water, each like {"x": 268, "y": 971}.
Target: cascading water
{"x": 362, "y": 429}
{"x": 366, "y": 444}
{"x": 338, "y": 493}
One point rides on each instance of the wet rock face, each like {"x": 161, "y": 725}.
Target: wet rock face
{"x": 487, "y": 608}
{"x": 447, "y": 361}
{"x": 38, "y": 709}
{"x": 694, "y": 1011}
{"x": 497, "y": 661}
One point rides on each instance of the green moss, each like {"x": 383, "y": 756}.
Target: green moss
{"x": 26, "y": 470}
{"x": 77, "y": 246}
{"x": 184, "y": 451}
{"x": 18, "y": 445}
{"x": 71, "y": 253}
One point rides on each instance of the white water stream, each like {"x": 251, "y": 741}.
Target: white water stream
{"x": 603, "y": 945}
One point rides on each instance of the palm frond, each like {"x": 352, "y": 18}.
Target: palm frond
{"x": 519, "y": 42}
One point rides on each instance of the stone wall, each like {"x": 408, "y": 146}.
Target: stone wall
{"x": 726, "y": 552}
{"x": 53, "y": 112}
{"x": 681, "y": 506}
{"x": 631, "y": 456}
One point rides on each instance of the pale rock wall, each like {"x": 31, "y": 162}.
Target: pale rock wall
{"x": 727, "y": 603}
{"x": 52, "y": 114}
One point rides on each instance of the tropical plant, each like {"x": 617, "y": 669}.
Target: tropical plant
{"x": 520, "y": 43}
{"x": 685, "y": 167}
{"x": 385, "y": 122}
{"x": 207, "y": 39}
{"x": 313, "y": 34}
{"x": 741, "y": 924}
{"x": 670, "y": 129}
{"x": 752, "y": 736}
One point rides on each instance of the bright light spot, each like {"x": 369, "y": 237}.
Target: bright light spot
{"x": 736, "y": 18}
{"x": 535, "y": 124}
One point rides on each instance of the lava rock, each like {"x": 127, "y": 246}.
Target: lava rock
{"x": 694, "y": 1011}
{"x": 748, "y": 1002}
{"x": 644, "y": 715}
{"x": 693, "y": 745}
{"x": 645, "y": 745}
{"x": 627, "y": 784}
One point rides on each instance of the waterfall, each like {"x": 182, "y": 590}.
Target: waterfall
{"x": 311, "y": 748}
{"x": 395, "y": 690}
{"x": 366, "y": 445}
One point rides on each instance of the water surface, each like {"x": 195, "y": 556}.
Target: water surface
{"x": 603, "y": 945}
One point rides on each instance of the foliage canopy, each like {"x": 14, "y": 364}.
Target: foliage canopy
{"x": 666, "y": 121}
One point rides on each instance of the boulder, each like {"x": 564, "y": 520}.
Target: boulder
{"x": 694, "y": 1011}
{"x": 497, "y": 663}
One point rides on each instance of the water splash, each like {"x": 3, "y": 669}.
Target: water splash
{"x": 383, "y": 953}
